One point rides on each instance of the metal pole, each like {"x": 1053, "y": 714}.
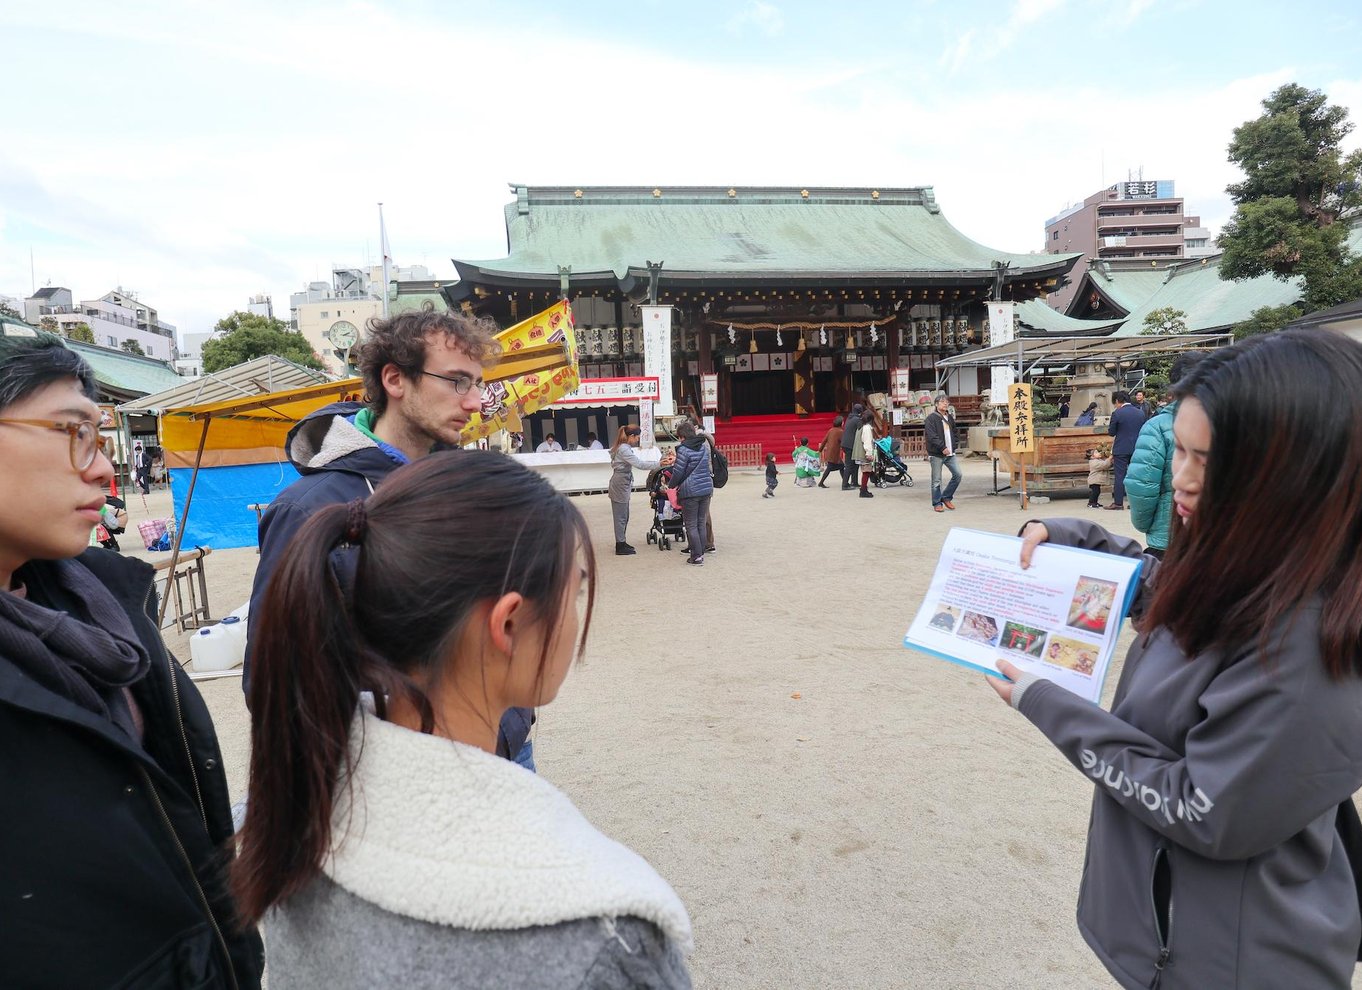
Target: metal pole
{"x": 184, "y": 518}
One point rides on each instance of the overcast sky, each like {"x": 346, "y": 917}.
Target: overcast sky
{"x": 199, "y": 152}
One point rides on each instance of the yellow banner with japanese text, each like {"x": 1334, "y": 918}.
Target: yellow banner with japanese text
{"x": 508, "y": 399}
{"x": 1019, "y": 418}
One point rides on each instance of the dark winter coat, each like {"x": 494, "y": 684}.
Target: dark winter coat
{"x": 934, "y": 430}
{"x": 1213, "y": 855}
{"x": 849, "y": 431}
{"x": 1125, "y": 425}
{"x": 691, "y": 475}
{"x": 113, "y": 854}
{"x": 338, "y": 463}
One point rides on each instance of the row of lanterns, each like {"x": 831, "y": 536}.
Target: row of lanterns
{"x": 952, "y": 332}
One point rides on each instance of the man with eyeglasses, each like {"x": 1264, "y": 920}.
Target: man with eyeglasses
{"x": 116, "y": 829}
{"x": 422, "y": 373}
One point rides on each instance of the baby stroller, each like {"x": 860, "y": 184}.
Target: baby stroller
{"x": 668, "y": 524}
{"x": 889, "y": 468}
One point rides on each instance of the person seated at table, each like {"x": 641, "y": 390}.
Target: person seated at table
{"x": 592, "y": 443}
{"x": 549, "y": 446}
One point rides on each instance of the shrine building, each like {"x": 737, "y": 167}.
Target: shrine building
{"x": 797, "y": 299}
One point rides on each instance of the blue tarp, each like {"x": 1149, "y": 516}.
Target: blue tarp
{"x": 219, "y": 517}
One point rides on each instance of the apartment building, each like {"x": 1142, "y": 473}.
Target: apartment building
{"x": 114, "y": 318}
{"x": 1139, "y": 218}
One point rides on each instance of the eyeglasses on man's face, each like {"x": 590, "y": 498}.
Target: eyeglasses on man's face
{"x": 86, "y": 441}
{"x": 461, "y": 383}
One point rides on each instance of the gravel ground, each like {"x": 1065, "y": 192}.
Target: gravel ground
{"x": 835, "y": 810}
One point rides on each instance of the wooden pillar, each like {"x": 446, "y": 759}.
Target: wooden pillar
{"x": 802, "y": 366}
{"x": 706, "y": 351}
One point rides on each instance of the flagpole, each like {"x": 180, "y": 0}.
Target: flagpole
{"x": 387, "y": 260}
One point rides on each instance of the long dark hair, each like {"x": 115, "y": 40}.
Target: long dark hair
{"x": 377, "y": 606}
{"x": 1278, "y": 522}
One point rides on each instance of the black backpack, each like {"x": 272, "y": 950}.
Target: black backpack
{"x": 718, "y": 466}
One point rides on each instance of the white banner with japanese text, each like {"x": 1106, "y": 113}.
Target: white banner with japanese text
{"x": 1001, "y": 330}
{"x": 657, "y": 353}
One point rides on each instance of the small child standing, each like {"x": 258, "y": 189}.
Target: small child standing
{"x": 771, "y": 473}
{"x": 1099, "y": 474}
{"x": 806, "y": 464}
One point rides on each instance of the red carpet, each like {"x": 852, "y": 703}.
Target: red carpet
{"x": 776, "y": 434}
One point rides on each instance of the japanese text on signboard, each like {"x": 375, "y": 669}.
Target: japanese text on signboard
{"x": 1019, "y": 418}
{"x": 598, "y": 390}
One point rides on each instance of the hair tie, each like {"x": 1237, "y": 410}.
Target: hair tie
{"x": 355, "y": 522}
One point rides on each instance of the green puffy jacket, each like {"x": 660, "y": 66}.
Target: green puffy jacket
{"x": 1149, "y": 482}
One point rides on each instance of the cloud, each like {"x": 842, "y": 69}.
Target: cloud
{"x": 989, "y": 44}
{"x": 1133, "y": 11}
{"x": 764, "y": 17}
{"x": 262, "y": 169}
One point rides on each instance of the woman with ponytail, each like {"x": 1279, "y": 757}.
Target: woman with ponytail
{"x": 1222, "y": 845}
{"x": 624, "y": 457}
{"x": 385, "y": 844}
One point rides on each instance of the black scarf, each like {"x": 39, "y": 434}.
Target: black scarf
{"x": 89, "y": 658}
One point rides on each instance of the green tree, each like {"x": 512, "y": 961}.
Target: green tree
{"x": 7, "y": 310}
{"x": 1297, "y": 184}
{"x": 1165, "y": 320}
{"x": 1268, "y": 319}
{"x": 132, "y": 347}
{"x": 49, "y": 324}
{"x": 80, "y": 332}
{"x": 245, "y": 336}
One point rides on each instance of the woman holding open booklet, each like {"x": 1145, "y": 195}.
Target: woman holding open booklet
{"x": 1224, "y": 772}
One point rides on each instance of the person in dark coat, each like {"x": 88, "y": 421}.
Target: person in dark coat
{"x": 694, "y": 484}
{"x": 938, "y": 430}
{"x": 423, "y": 375}
{"x": 1125, "y": 425}
{"x": 117, "y": 829}
{"x": 141, "y": 465}
{"x": 830, "y": 449}
{"x": 849, "y": 431}
{"x": 1088, "y": 416}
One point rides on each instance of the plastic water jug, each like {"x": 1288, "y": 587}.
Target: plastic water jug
{"x": 219, "y": 647}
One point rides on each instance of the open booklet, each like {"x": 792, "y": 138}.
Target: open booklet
{"x": 1058, "y": 619}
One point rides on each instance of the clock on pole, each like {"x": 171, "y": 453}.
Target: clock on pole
{"x": 344, "y": 335}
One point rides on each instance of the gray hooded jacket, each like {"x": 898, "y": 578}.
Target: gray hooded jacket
{"x": 1213, "y": 859}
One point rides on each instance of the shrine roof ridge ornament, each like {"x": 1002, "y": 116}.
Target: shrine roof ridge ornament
{"x": 924, "y": 196}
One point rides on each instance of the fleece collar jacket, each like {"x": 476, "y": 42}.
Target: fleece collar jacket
{"x": 488, "y": 872}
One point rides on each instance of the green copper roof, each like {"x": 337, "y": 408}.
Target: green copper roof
{"x": 750, "y": 232}
{"x": 1126, "y": 286}
{"x": 1195, "y": 287}
{"x": 1034, "y": 314}
{"x": 126, "y": 373}
{"x": 117, "y": 372}
{"x": 1210, "y": 302}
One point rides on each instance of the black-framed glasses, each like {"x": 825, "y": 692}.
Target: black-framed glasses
{"x": 461, "y": 383}
{"x": 86, "y": 440}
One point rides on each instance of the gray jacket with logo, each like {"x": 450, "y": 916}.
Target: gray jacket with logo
{"x": 1213, "y": 858}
